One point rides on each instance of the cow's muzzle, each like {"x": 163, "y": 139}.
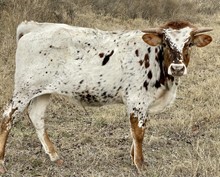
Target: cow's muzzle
{"x": 177, "y": 69}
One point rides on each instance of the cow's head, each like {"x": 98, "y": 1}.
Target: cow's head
{"x": 176, "y": 39}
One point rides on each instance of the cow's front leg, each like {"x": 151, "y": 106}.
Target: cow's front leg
{"x": 137, "y": 133}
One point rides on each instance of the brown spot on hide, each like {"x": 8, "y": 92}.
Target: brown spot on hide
{"x": 141, "y": 62}
{"x": 101, "y": 55}
{"x": 107, "y": 57}
{"x": 146, "y": 60}
{"x": 157, "y": 84}
{"x": 145, "y": 85}
{"x": 149, "y": 75}
{"x": 137, "y": 53}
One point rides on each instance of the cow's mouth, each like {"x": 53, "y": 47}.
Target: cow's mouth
{"x": 177, "y": 70}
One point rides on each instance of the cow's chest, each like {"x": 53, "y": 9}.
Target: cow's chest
{"x": 163, "y": 98}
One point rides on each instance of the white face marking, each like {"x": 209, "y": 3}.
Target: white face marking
{"x": 177, "y": 38}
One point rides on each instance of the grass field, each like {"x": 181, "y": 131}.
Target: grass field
{"x": 182, "y": 141}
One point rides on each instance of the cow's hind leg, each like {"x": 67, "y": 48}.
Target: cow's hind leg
{"x": 36, "y": 112}
{"x": 136, "y": 148}
{"x": 16, "y": 107}
{"x": 5, "y": 128}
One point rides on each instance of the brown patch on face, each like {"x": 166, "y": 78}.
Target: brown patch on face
{"x": 174, "y": 56}
{"x": 168, "y": 58}
{"x": 186, "y": 55}
{"x": 146, "y": 60}
{"x": 177, "y": 25}
{"x": 163, "y": 63}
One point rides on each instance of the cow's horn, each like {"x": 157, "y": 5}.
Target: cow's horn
{"x": 202, "y": 30}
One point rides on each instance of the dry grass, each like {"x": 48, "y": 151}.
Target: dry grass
{"x": 183, "y": 141}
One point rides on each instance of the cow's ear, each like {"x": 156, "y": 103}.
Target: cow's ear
{"x": 202, "y": 40}
{"x": 152, "y": 39}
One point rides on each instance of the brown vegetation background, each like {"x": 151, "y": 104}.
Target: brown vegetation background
{"x": 183, "y": 141}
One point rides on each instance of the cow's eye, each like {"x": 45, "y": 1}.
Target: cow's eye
{"x": 191, "y": 44}
{"x": 164, "y": 44}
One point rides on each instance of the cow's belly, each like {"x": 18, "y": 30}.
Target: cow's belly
{"x": 98, "y": 98}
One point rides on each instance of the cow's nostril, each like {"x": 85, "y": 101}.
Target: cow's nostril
{"x": 172, "y": 68}
{"x": 182, "y": 69}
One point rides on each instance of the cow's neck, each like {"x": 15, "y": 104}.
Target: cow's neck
{"x": 165, "y": 95}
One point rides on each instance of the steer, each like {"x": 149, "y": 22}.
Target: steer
{"x": 140, "y": 69}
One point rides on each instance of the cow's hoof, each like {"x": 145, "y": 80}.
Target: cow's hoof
{"x": 139, "y": 166}
{"x": 59, "y": 162}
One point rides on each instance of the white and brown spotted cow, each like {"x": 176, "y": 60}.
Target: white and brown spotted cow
{"x": 138, "y": 68}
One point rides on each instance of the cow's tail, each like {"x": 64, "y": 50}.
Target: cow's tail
{"x": 24, "y": 28}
